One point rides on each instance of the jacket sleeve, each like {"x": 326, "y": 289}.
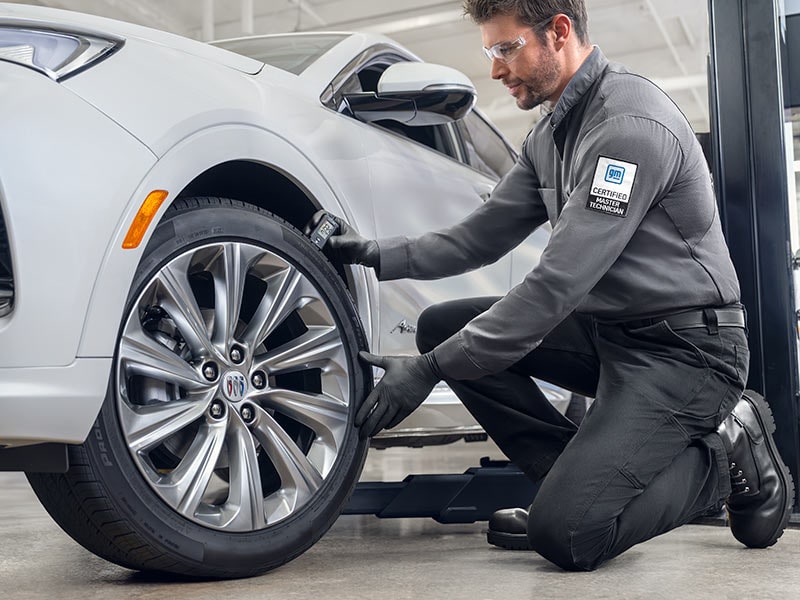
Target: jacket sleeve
{"x": 501, "y": 223}
{"x": 623, "y": 153}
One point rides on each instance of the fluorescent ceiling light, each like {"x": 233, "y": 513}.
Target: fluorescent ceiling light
{"x": 417, "y": 22}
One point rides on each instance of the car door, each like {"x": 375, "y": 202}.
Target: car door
{"x": 418, "y": 188}
{"x": 420, "y": 181}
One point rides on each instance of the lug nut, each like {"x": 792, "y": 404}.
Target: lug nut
{"x": 210, "y": 371}
{"x": 259, "y": 380}
{"x": 248, "y": 414}
{"x": 237, "y": 355}
{"x": 217, "y": 409}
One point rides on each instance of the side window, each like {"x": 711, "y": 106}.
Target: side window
{"x": 485, "y": 149}
{"x": 440, "y": 138}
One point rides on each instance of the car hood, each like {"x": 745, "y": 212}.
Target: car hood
{"x": 37, "y": 16}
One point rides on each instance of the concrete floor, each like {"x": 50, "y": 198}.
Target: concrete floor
{"x": 366, "y": 557}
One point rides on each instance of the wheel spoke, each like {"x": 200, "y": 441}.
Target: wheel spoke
{"x": 185, "y": 486}
{"x": 245, "y": 503}
{"x": 320, "y": 347}
{"x": 146, "y": 426}
{"x": 230, "y": 272}
{"x": 141, "y": 354}
{"x": 287, "y": 291}
{"x": 179, "y": 301}
{"x": 298, "y": 476}
{"x": 322, "y": 413}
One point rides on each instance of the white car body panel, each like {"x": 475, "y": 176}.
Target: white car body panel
{"x": 150, "y": 91}
{"x": 52, "y": 404}
{"x": 455, "y": 190}
{"x": 67, "y": 191}
{"x": 173, "y": 172}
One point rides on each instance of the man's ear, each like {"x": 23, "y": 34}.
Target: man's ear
{"x": 562, "y": 27}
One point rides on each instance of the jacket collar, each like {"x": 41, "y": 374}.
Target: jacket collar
{"x": 584, "y": 78}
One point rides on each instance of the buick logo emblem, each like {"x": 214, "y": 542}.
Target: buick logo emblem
{"x": 234, "y": 386}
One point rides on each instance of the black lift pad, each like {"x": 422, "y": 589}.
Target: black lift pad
{"x": 466, "y": 498}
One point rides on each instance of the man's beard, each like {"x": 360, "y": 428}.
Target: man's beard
{"x": 531, "y": 99}
{"x": 540, "y": 89}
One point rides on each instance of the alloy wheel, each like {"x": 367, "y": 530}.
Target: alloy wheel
{"x": 232, "y": 386}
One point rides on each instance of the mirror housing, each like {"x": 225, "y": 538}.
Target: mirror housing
{"x": 416, "y": 94}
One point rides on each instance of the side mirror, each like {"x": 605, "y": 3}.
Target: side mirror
{"x": 416, "y": 94}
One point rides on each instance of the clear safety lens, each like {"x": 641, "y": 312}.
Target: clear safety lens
{"x": 505, "y": 51}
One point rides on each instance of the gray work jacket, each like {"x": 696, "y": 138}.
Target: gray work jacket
{"x": 619, "y": 174}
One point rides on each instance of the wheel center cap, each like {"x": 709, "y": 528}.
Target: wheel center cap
{"x": 234, "y": 386}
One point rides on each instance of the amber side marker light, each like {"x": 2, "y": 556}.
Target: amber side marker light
{"x": 143, "y": 219}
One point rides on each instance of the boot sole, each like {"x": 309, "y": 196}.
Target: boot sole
{"x": 767, "y": 422}
{"x": 509, "y": 541}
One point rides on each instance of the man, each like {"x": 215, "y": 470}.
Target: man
{"x": 634, "y": 302}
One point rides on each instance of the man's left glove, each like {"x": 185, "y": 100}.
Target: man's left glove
{"x": 406, "y": 383}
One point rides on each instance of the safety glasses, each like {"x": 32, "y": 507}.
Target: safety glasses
{"x": 507, "y": 51}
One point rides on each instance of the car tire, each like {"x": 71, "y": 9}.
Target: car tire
{"x": 171, "y": 474}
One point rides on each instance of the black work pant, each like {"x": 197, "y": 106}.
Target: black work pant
{"x": 646, "y": 458}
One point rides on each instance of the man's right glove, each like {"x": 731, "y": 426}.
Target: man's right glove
{"x": 348, "y": 245}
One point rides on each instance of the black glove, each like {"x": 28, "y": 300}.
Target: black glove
{"x": 406, "y": 383}
{"x": 348, "y": 246}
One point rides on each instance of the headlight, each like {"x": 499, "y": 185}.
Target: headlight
{"x": 57, "y": 54}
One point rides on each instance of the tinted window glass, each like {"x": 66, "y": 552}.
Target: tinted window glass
{"x": 293, "y": 53}
{"x": 435, "y": 137}
{"x": 486, "y": 150}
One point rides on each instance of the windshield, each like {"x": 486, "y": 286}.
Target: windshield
{"x": 293, "y": 53}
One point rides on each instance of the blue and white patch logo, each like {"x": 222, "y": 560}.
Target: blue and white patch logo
{"x": 615, "y": 174}
{"x": 612, "y": 186}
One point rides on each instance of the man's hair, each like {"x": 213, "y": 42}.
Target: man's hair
{"x": 531, "y": 12}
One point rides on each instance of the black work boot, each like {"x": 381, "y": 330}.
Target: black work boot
{"x": 762, "y": 491}
{"x": 508, "y": 528}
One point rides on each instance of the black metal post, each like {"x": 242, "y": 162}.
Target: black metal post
{"x": 751, "y": 181}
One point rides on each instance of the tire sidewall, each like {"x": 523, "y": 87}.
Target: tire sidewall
{"x": 215, "y": 551}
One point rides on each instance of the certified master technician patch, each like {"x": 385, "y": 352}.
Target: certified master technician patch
{"x": 612, "y": 186}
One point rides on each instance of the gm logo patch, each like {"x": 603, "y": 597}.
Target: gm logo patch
{"x": 615, "y": 174}
{"x": 612, "y": 186}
